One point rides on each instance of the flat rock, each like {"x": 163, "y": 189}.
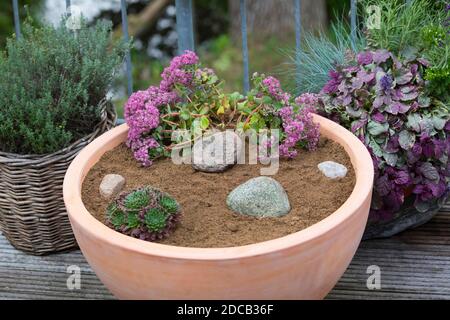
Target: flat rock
{"x": 259, "y": 197}
{"x": 111, "y": 185}
{"x": 332, "y": 170}
{"x": 216, "y": 152}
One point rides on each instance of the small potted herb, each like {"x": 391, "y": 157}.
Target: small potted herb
{"x": 53, "y": 102}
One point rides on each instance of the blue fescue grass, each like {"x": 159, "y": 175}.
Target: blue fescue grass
{"x": 319, "y": 54}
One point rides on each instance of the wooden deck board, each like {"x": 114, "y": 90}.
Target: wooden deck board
{"x": 414, "y": 265}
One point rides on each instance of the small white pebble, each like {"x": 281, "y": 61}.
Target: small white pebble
{"x": 332, "y": 170}
{"x": 111, "y": 185}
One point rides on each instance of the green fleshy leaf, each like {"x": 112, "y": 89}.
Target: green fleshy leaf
{"x": 404, "y": 78}
{"x": 213, "y": 79}
{"x": 115, "y": 216}
{"x": 390, "y": 158}
{"x": 155, "y": 220}
{"x": 133, "y": 220}
{"x": 424, "y": 102}
{"x": 429, "y": 171}
{"x": 267, "y": 100}
{"x": 169, "y": 204}
{"x": 185, "y": 115}
{"x": 376, "y": 149}
{"x": 204, "y": 110}
{"x": 413, "y": 121}
{"x": 376, "y": 128}
{"x": 438, "y": 122}
{"x": 243, "y": 107}
{"x": 427, "y": 125}
{"x": 406, "y": 139}
{"x": 196, "y": 128}
{"x": 137, "y": 200}
{"x": 235, "y": 96}
{"x": 204, "y": 122}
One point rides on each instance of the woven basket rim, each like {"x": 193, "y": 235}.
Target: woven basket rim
{"x": 107, "y": 115}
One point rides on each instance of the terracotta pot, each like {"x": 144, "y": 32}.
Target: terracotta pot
{"x": 303, "y": 265}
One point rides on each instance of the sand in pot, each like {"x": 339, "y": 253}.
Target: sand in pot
{"x": 207, "y": 221}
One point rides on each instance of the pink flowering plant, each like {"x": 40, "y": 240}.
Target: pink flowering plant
{"x": 191, "y": 97}
{"x": 267, "y": 106}
{"x": 383, "y": 100}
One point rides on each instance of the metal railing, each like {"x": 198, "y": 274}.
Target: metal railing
{"x": 185, "y": 31}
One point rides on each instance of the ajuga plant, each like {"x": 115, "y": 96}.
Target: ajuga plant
{"x": 145, "y": 213}
{"x": 191, "y": 97}
{"x": 382, "y": 100}
{"x": 52, "y": 81}
{"x": 321, "y": 53}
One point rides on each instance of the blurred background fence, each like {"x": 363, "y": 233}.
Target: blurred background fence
{"x": 219, "y": 30}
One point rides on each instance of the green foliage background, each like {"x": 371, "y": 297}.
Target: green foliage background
{"x": 6, "y": 16}
{"x": 423, "y": 26}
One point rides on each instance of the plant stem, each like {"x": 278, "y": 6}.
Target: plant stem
{"x": 174, "y": 114}
{"x": 252, "y": 113}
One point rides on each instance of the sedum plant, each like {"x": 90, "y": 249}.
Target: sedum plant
{"x": 278, "y": 109}
{"x": 52, "y": 82}
{"x": 382, "y": 99}
{"x": 191, "y": 97}
{"x": 145, "y": 213}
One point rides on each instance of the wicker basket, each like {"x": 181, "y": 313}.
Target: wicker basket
{"x": 32, "y": 212}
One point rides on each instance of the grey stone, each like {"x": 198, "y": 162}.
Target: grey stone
{"x": 232, "y": 226}
{"x": 111, "y": 185}
{"x": 332, "y": 170}
{"x": 216, "y": 152}
{"x": 260, "y": 197}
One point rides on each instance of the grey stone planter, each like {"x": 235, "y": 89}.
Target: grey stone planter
{"x": 408, "y": 217}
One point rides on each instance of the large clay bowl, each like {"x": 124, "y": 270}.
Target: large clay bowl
{"x": 303, "y": 265}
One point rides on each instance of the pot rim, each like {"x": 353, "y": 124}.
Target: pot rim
{"x": 90, "y": 226}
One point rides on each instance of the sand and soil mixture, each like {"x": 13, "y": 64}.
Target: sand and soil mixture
{"x": 207, "y": 221}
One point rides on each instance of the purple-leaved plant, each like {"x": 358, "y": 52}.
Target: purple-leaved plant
{"x": 382, "y": 100}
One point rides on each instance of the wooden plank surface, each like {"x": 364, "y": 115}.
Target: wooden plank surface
{"x": 24, "y": 276}
{"x": 413, "y": 265}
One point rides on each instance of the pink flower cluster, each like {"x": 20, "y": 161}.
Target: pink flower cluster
{"x": 176, "y": 72}
{"x": 141, "y": 149}
{"x": 298, "y": 125}
{"x": 142, "y": 110}
{"x": 273, "y": 87}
